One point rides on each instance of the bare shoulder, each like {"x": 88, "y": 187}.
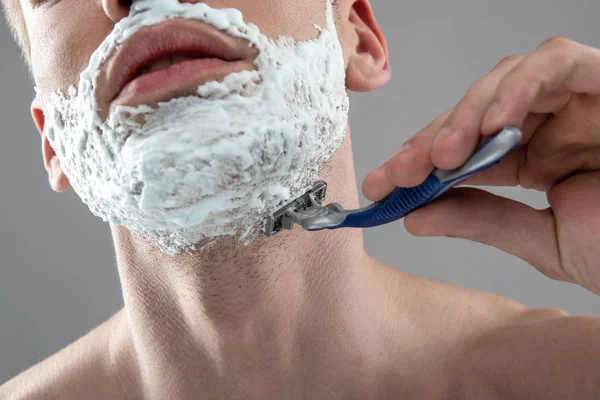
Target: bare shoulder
{"x": 84, "y": 369}
{"x": 446, "y": 319}
{"x": 492, "y": 347}
{"x": 453, "y": 311}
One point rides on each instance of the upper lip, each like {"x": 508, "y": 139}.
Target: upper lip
{"x": 171, "y": 38}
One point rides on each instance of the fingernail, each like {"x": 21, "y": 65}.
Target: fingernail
{"x": 492, "y": 113}
{"x": 442, "y": 134}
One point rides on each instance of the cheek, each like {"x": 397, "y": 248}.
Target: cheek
{"x": 62, "y": 40}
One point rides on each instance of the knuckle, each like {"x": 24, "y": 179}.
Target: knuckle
{"x": 466, "y": 114}
{"x": 393, "y": 172}
{"x": 441, "y": 118}
{"x": 520, "y": 86}
{"x": 553, "y": 312}
{"x": 444, "y": 116}
{"x": 562, "y": 49}
{"x": 510, "y": 60}
{"x": 476, "y": 90}
{"x": 431, "y": 129}
{"x": 557, "y": 42}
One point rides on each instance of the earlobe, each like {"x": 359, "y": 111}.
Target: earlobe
{"x": 368, "y": 67}
{"x": 58, "y": 180}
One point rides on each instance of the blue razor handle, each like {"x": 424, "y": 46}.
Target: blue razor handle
{"x": 403, "y": 201}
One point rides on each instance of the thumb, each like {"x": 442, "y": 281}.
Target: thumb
{"x": 483, "y": 217}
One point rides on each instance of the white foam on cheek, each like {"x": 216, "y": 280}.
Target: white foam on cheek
{"x": 197, "y": 168}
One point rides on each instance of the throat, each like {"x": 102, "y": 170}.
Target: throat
{"x": 229, "y": 286}
{"x": 270, "y": 306}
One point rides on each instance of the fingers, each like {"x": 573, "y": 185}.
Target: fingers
{"x": 505, "y": 173}
{"x": 460, "y": 134}
{"x": 569, "y": 143}
{"x": 411, "y": 165}
{"x": 509, "y": 171}
{"x": 519, "y": 91}
{"x": 577, "y": 210}
{"x": 408, "y": 167}
{"x": 503, "y": 223}
{"x": 544, "y": 82}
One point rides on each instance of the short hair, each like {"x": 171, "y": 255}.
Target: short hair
{"x": 16, "y": 22}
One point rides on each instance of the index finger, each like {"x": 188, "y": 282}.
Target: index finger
{"x": 543, "y": 83}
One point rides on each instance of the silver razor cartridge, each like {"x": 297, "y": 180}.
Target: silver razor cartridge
{"x": 285, "y": 217}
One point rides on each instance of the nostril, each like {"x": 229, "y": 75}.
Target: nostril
{"x": 116, "y": 9}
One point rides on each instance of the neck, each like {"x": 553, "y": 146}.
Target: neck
{"x": 273, "y": 312}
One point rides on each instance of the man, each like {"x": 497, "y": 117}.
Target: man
{"x": 311, "y": 315}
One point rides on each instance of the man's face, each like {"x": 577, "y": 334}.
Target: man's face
{"x": 190, "y": 121}
{"x": 63, "y": 34}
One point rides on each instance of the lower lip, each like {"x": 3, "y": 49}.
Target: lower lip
{"x": 176, "y": 80}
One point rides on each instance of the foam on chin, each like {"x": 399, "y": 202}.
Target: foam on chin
{"x": 197, "y": 168}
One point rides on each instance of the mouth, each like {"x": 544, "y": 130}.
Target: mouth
{"x": 170, "y": 60}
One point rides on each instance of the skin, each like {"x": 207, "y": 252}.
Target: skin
{"x": 271, "y": 320}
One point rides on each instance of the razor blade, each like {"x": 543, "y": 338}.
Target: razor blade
{"x": 286, "y": 216}
{"x": 309, "y": 212}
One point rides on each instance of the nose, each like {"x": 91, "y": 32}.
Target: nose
{"x": 116, "y": 9}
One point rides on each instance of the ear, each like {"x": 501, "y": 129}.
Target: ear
{"x": 368, "y": 67}
{"x": 58, "y": 180}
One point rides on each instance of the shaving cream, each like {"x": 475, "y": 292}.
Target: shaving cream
{"x": 193, "y": 169}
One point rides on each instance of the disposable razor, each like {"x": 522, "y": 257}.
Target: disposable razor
{"x": 309, "y": 212}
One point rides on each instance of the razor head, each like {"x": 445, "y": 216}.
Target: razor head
{"x": 282, "y": 219}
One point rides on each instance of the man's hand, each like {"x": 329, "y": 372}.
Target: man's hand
{"x": 553, "y": 96}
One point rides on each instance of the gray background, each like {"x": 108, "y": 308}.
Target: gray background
{"x": 58, "y": 277}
